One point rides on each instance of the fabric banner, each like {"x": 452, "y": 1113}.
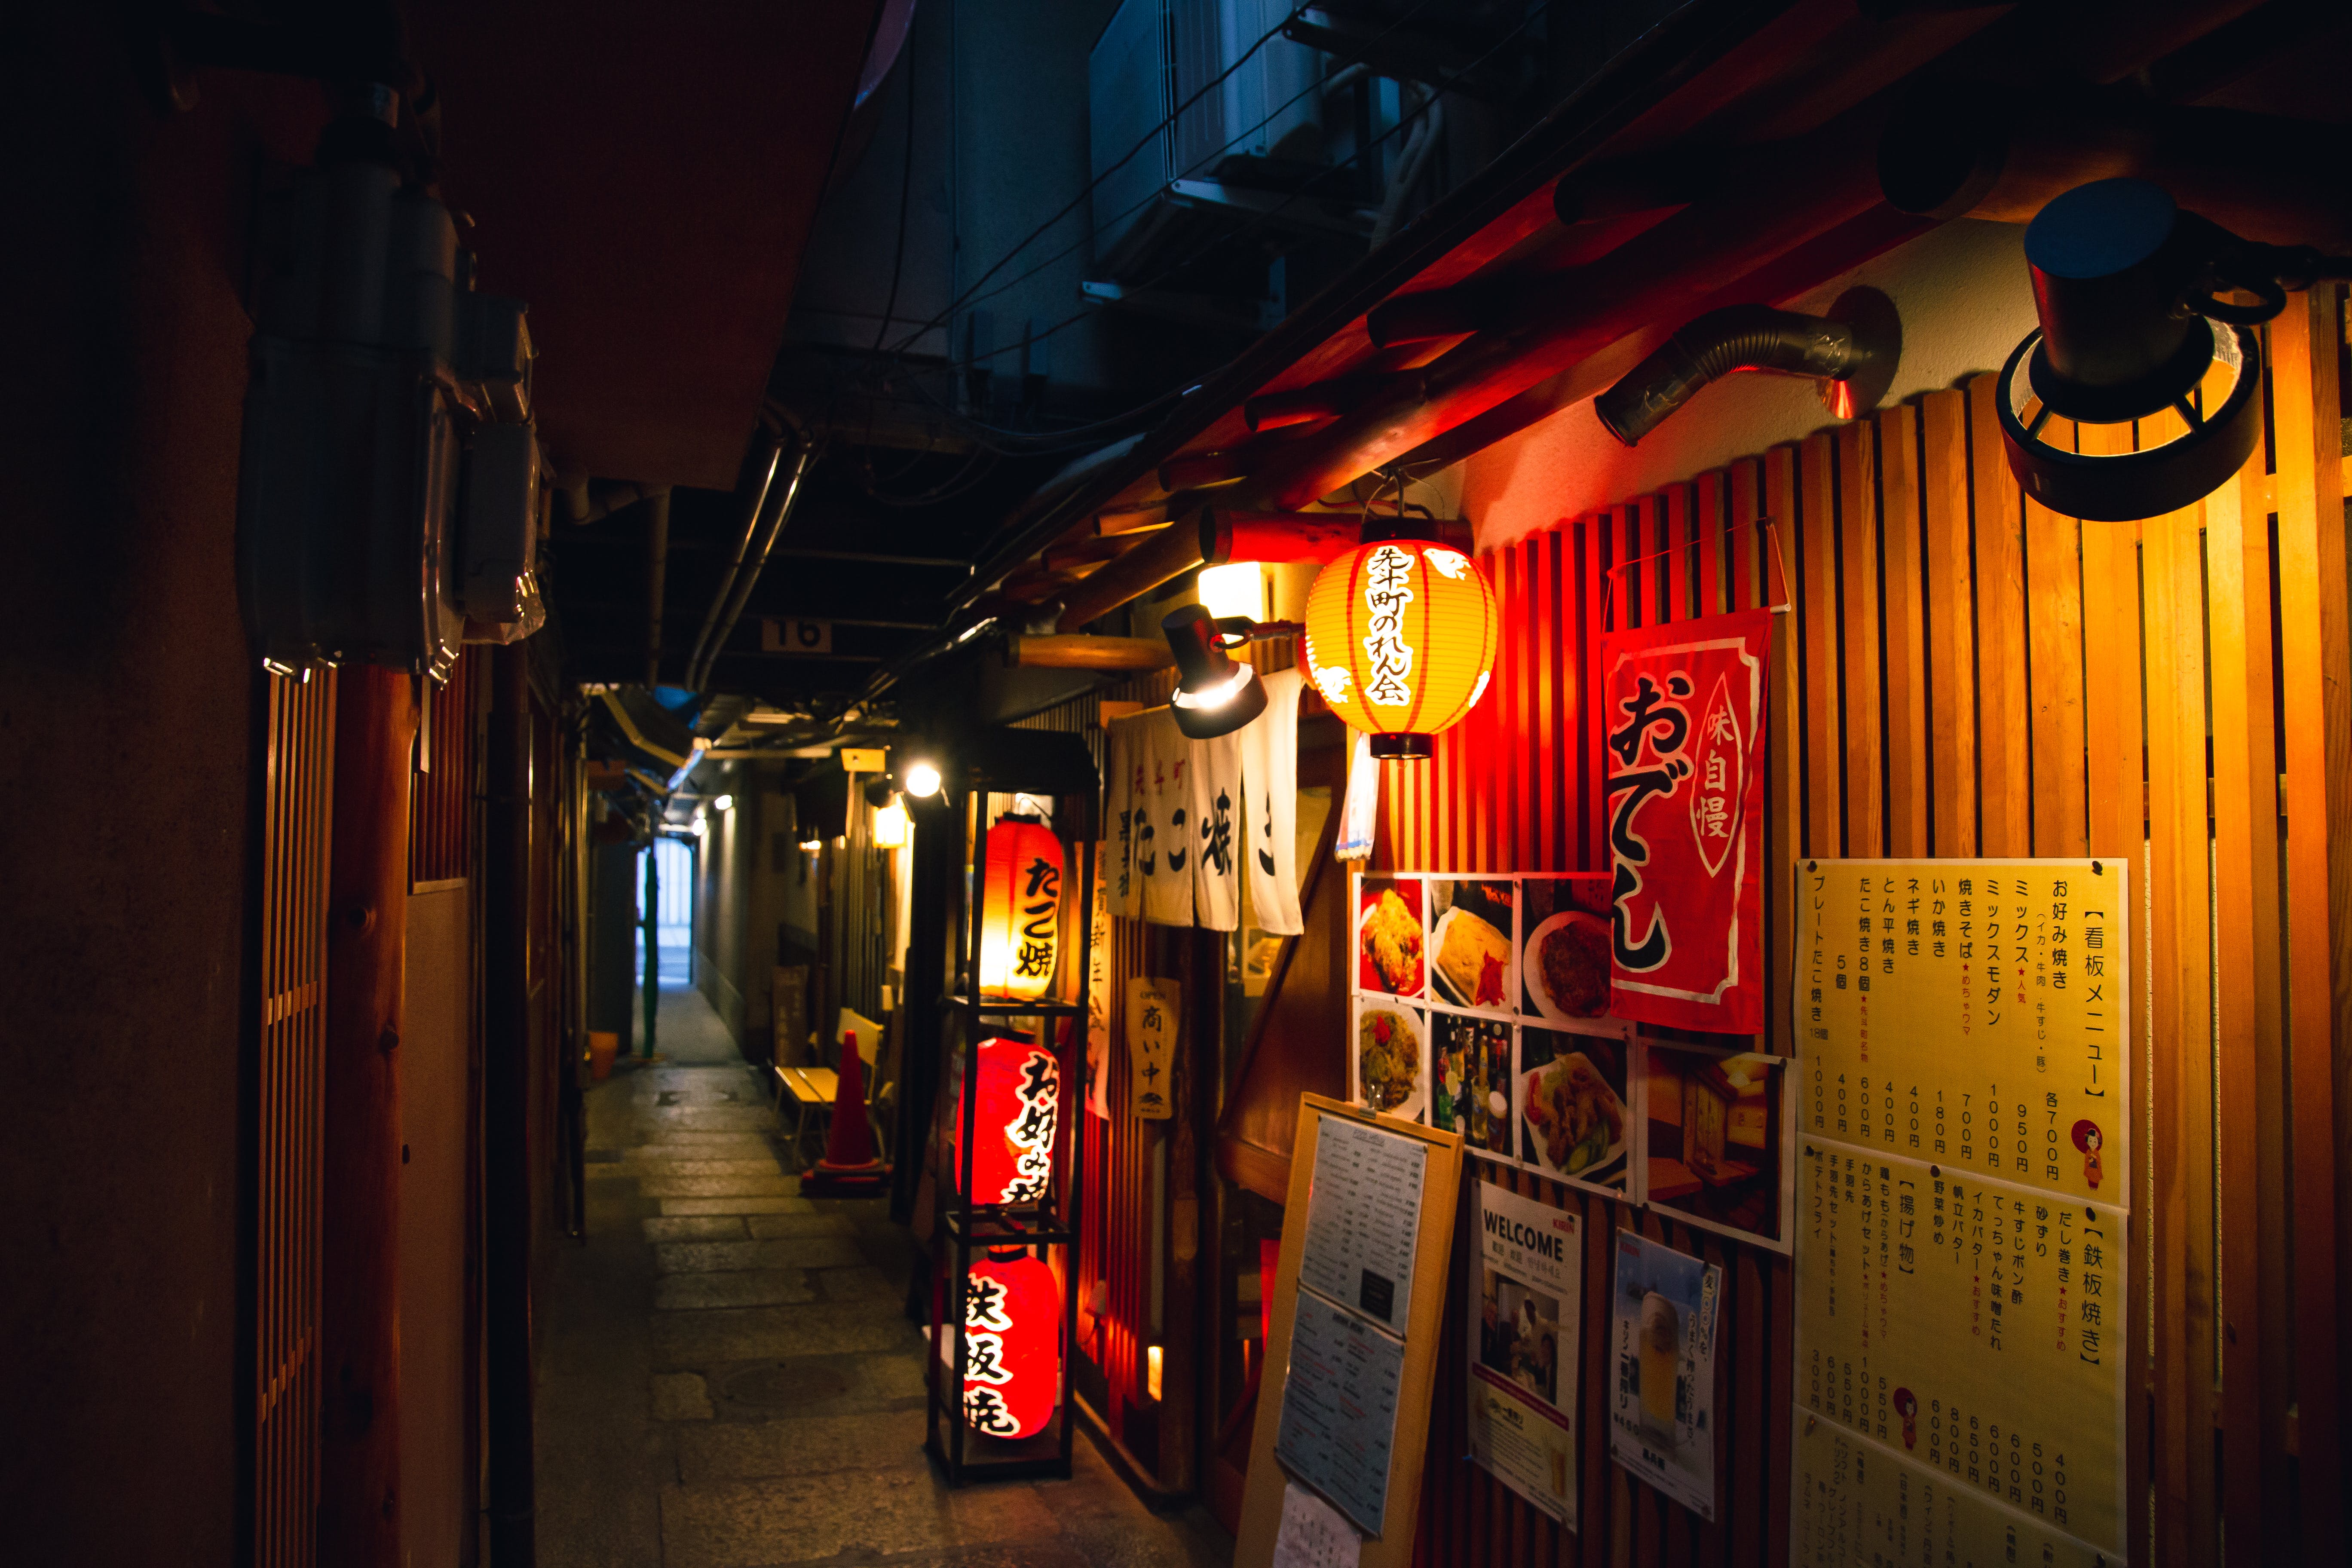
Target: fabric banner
{"x": 1270, "y": 776}
{"x": 1099, "y": 990}
{"x": 1682, "y": 756}
{"x": 1122, "y": 785}
{"x": 1213, "y": 791}
{"x": 1164, "y": 818}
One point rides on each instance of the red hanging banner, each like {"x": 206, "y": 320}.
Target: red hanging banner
{"x": 1683, "y": 757}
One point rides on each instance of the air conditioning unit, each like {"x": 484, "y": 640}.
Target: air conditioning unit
{"x": 1253, "y": 137}
{"x": 388, "y": 493}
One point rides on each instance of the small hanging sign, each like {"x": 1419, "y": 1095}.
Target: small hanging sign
{"x": 1098, "y": 995}
{"x": 1151, "y": 1021}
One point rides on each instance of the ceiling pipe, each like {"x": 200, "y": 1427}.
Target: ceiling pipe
{"x": 2267, "y": 179}
{"x": 1158, "y": 558}
{"x": 720, "y": 624}
{"x": 1852, "y": 352}
{"x": 1786, "y": 196}
{"x": 764, "y": 460}
{"x": 1319, "y": 400}
{"x": 1081, "y": 652}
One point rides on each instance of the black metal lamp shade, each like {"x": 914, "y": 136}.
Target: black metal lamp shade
{"x": 1214, "y": 695}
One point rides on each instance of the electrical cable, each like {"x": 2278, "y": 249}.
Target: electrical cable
{"x": 905, "y": 185}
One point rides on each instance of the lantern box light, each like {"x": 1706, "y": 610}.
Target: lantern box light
{"x": 1017, "y": 1105}
{"x": 1401, "y": 639}
{"x": 1021, "y": 919}
{"x": 1012, "y": 1344}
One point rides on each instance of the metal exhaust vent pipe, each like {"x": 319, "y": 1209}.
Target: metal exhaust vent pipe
{"x": 1853, "y": 350}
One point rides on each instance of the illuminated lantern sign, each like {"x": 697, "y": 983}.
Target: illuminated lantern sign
{"x": 1017, "y": 1103}
{"x": 1400, "y": 639}
{"x": 1021, "y": 926}
{"x": 1012, "y": 1345}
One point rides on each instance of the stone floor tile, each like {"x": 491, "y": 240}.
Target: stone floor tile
{"x": 751, "y": 1450}
{"x": 781, "y": 1225}
{"x": 709, "y": 1117}
{"x": 707, "y": 1257}
{"x": 749, "y": 1524}
{"x": 869, "y": 1285}
{"x": 699, "y": 1339}
{"x": 676, "y": 1145}
{"x": 802, "y": 1387}
{"x": 680, "y": 1396}
{"x": 756, "y": 1288}
{"x": 765, "y": 1166}
{"x": 696, "y": 1228}
{"x": 744, "y": 1205}
{"x": 720, "y": 1186}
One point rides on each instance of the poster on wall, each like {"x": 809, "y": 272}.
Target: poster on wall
{"x": 1564, "y": 961}
{"x": 1152, "y": 1020}
{"x": 1575, "y": 1091}
{"x": 1682, "y": 759}
{"x": 1714, "y": 1140}
{"x": 1387, "y": 1071}
{"x": 1389, "y": 936}
{"x": 1962, "y": 1214}
{"x": 1661, "y": 1327}
{"x": 1470, "y": 1080}
{"x": 1473, "y": 927}
{"x": 1530, "y": 1274}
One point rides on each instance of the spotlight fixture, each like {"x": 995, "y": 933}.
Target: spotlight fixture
{"x": 724, "y": 803}
{"x": 922, "y": 780}
{"x": 1214, "y": 695}
{"x": 2128, "y": 289}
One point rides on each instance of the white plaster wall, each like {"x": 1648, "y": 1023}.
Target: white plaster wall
{"x": 1965, "y": 302}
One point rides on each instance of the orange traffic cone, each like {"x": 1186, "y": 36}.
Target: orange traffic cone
{"x": 849, "y": 1168}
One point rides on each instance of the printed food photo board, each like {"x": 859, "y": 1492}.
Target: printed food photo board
{"x": 1482, "y": 1005}
{"x": 1964, "y": 1211}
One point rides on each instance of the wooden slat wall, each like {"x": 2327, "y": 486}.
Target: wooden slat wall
{"x": 298, "y": 786}
{"x": 441, "y": 805}
{"x": 1961, "y": 673}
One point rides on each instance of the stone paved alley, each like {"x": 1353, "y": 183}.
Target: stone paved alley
{"x": 727, "y": 1378}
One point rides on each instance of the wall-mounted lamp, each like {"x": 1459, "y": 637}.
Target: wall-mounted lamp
{"x": 1152, "y": 1368}
{"x": 889, "y": 826}
{"x": 2128, "y": 289}
{"x": 725, "y": 803}
{"x": 1214, "y": 695}
{"x": 811, "y": 846}
{"x": 921, "y": 779}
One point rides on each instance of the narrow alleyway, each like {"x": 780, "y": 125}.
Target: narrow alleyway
{"x": 728, "y": 1380}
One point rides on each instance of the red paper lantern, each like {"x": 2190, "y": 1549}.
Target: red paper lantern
{"x": 1021, "y": 921}
{"x": 1401, "y": 638}
{"x": 1012, "y": 1345}
{"x": 1016, "y": 1106}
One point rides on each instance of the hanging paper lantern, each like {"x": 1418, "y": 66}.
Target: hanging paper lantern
{"x": 1021, "y": 922}
{"x": 1012, "y": 1345}
{"x": 1017, "y": 1105}
{"x": 1401, "y": 638}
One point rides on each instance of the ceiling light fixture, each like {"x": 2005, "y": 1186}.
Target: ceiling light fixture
{"x": 2129, "y": 289}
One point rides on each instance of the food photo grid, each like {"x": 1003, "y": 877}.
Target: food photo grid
{"x": 1482, "y": 1005}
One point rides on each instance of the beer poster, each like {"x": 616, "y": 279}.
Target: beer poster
{"x": 1530, "y": 1274}
{"x": 1662, "y": 1329}
{"x": 1682, "y": 757}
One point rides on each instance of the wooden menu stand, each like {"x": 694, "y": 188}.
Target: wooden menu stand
{"x": 1433, "y": 1254}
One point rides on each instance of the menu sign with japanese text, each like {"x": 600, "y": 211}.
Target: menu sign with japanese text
{"x": 1968, "y": 1013}
{"x": 1962, "y": 1209}
{"x": 1682, "y": 759}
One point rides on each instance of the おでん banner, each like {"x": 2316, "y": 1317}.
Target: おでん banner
{"x": 1682, "y": 758}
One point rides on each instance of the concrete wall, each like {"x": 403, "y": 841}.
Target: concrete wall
{"x": 1965, "y": 302}
{"x": 127, "y": 730}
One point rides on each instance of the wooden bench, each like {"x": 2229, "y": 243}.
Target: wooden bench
{"x": 809, "y": 1089}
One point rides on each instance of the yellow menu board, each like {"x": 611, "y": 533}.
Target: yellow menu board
{"x": 1968, "y": 1013}
{"x": 1856, "y": 1504}
{"x": 1962, "y": 1216}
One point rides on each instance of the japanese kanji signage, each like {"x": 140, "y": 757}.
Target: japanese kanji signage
{"x": 1151, "y": 1021}
{"x": 1963, "y": 1205}
{"x": 1682, "y": 755}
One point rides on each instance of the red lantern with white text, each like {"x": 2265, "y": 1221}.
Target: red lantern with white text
{"x": 1012, "y": 1345}
{"x": 1400, "y": 639}
{"x": 1016, "y": 1108}
{"x": 1021, "y": 922}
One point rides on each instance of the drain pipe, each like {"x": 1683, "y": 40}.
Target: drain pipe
{"x": 1854, "y": 351}
{"x": 726, "y": 609}
{"x": 764, "y": 466}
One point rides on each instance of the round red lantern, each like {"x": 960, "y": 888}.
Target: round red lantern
{"x": 1021, "y": 919}
{"x": 1012, "y": 1344}
{"x": 1017, "y": 1105}
{"x": 1401, "y": 638}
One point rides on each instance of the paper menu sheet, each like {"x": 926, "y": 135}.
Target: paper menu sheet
{"x": 1312, "y": 1535}
{"x": 1339, "y": 1408}
{"x": 1363, "y": 1221}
